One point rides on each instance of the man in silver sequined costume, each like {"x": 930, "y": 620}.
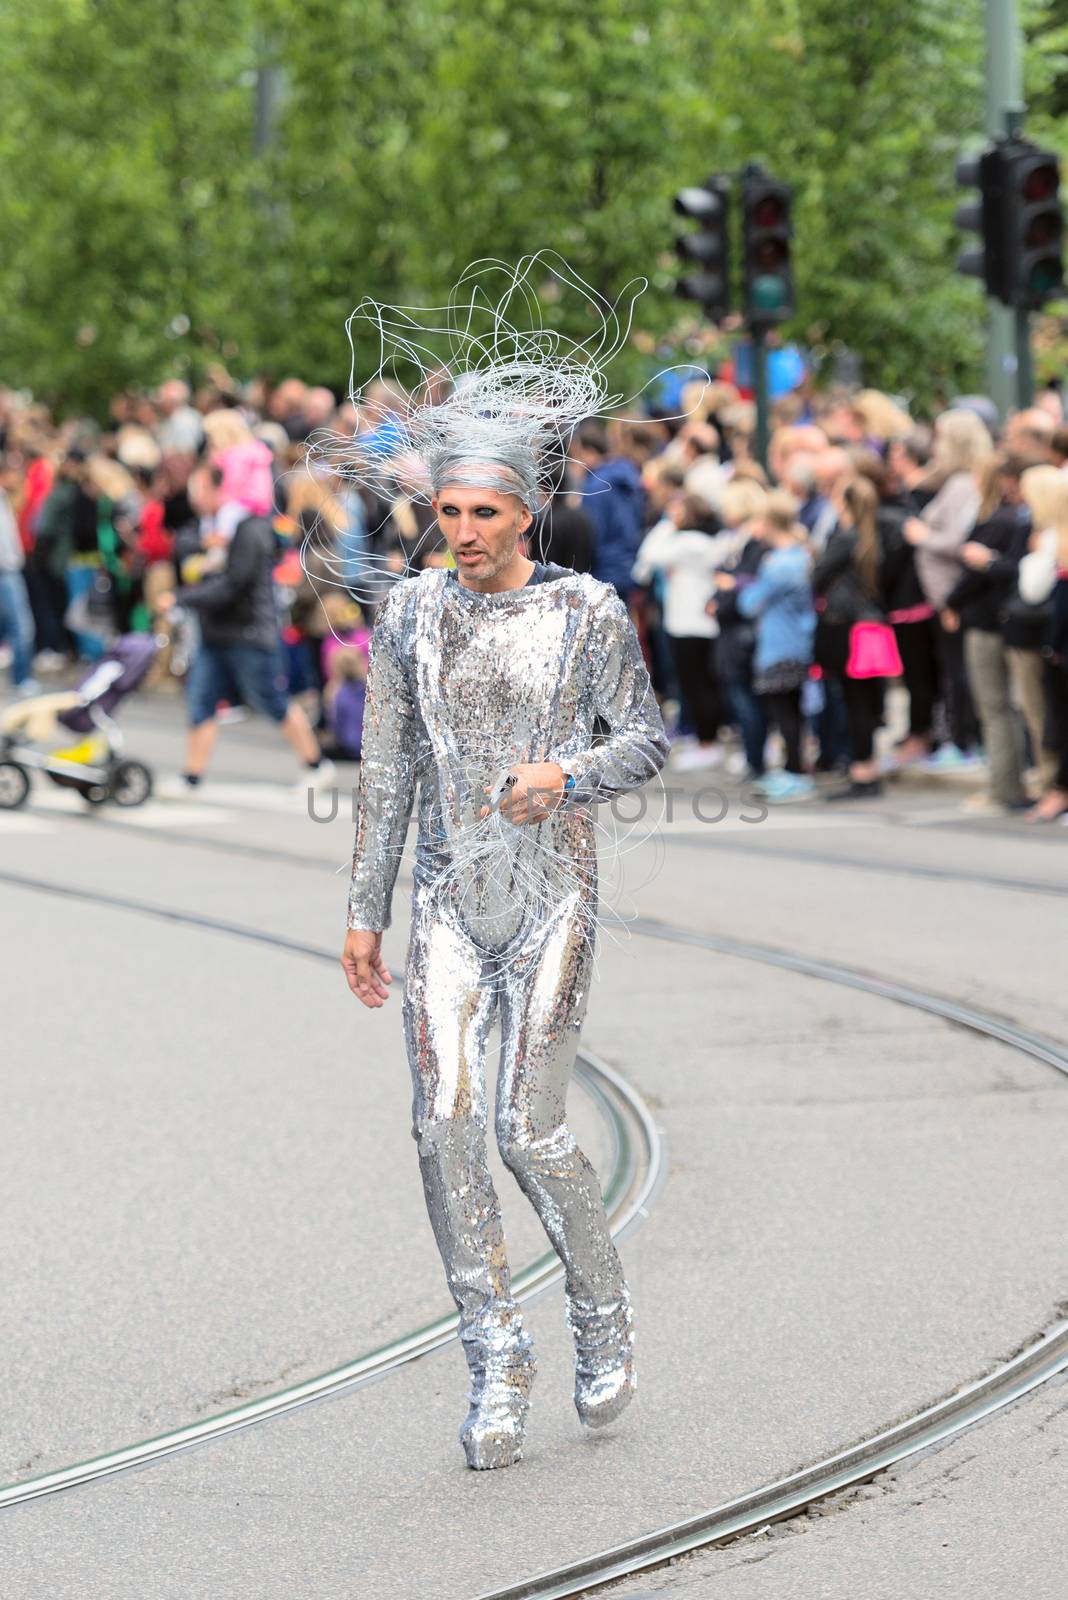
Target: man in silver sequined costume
{"x": 473, "y": 671}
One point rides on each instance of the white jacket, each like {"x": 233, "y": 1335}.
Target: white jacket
{"x": 11, "y": 557}
{"x": 688, "y": 559}
{"x": 1038, "y": 569}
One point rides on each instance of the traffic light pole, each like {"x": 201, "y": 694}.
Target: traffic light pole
{"x": 760, "y": 389}
{"x": 1025, "y": 378}
{"x": 1008, "y": 347}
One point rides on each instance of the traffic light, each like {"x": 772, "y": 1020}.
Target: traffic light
{"x": 767, "y": 232}
{"x": 982, "y": 216}
{"x": 708, "y": 248}
{"x": 1034, "y": 224}
{"x": 1019, "y": 219}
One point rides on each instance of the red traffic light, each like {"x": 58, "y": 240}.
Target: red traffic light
{"x": 769, "y": 212}
{"x": 1041, "y": 183}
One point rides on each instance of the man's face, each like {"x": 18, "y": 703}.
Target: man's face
{"x": 832, "y": 468}
{"x": 481, "y": 527}
{"x": 1009, "y": 485}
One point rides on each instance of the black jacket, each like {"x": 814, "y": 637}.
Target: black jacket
{"x": 733, "y": 649}
{"x": 237, "y": 605}
{"x": 836, "y": 579}
{"x": 899, "y": 582}
{"x": 980, "y": 598}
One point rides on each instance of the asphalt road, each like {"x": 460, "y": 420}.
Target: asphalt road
{"x": 211, "y": 1191}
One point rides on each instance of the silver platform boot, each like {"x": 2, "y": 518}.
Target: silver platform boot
{"x": 501, "y": 1379}
{"x": 605, "y": 1379}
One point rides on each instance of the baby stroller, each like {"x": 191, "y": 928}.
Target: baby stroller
{"x": 95, "y": 765}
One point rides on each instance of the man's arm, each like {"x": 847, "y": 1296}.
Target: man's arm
{"x": 387, "y": 774}
{"x": 637, "y": 745}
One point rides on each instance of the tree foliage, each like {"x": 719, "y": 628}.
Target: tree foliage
{"x": 159, "y": 214}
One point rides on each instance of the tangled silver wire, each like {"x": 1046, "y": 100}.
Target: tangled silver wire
{"x": 478, "y": 391}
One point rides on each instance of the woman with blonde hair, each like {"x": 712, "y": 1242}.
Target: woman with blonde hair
{"x": 685, "y": 547}
{"x": 779, "y": 602}
{"x": 855, "y": 644}
{"x": 962, "y": 449}
{"x": 975, "y": 606}
{"x": 742, "y": 513}
{"x": 1044, "y": 579}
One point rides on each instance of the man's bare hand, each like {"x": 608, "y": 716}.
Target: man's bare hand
{"x": 535, "y": 796}
{"x": 365, "y": 971}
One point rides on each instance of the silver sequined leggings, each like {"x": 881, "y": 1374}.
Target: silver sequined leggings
{"x": 453, "y": 989}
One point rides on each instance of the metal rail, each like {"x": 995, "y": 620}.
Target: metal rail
{"x": 731, "y": 846}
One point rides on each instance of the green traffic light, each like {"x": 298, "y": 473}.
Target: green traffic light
{"x": 769, "y": 292}
{"x": 1044, "y": 277}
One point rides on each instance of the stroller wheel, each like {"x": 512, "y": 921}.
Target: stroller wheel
{"x": 131, "y": 783}
{"x": 14, "y": 785}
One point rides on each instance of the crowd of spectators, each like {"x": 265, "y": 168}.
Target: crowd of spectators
{"x": 776, "y": 605}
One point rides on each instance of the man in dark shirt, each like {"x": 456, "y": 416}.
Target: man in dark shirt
{"x": 239, "y": 657}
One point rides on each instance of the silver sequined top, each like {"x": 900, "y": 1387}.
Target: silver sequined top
{"x": 462, "y": 684}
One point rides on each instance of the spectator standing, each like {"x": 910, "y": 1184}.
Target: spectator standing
{"x": 684, "y": 547}
{"x": 962, "y": 448}
{"x": 16, "y": 618}
{"x": 66, "y": 531}
{"x": 779, "y": 599}
{"x": 991, "y": 558}
{"x": 181, "y": 428}
{"x": 846, "y": 578}
{"x": 613, "y": 500}
{"x": 1043, "y": 580}
{"x": 744, "y": 505}
{"x": 562, "y": 534}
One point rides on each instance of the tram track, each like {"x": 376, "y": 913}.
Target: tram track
{"x": 1043, "y": 1358}
{"x": 921, "y": 872}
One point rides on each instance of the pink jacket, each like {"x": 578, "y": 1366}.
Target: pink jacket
{"x": 247, "y": 476}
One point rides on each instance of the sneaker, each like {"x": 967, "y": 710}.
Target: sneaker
{"x": 698, "y": 758}
{"x": 950, "y": 758}
{"x": 737, "y": 765}
{"x": 984, "y": 805}
{"x": 175, "y": 786}
{"x": 49, "y": 661}
{"x": 324, "y": 776}
{"x": 855, "y": 789}
{"x": 782, "y": 787}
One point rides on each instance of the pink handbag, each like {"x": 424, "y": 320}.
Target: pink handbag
{"x": 873, "y": 651}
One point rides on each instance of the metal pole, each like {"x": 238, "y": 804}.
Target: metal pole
{"x": 1025, "y": 378}
{"x": 760, "y": 385}
{"x": 1004, "y": 114}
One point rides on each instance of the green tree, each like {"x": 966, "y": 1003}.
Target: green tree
{"x": 155, "y": 219}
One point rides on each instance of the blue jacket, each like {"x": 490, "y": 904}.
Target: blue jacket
{"x": 780, "y": 598}
{"x": 613, "y": 499}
